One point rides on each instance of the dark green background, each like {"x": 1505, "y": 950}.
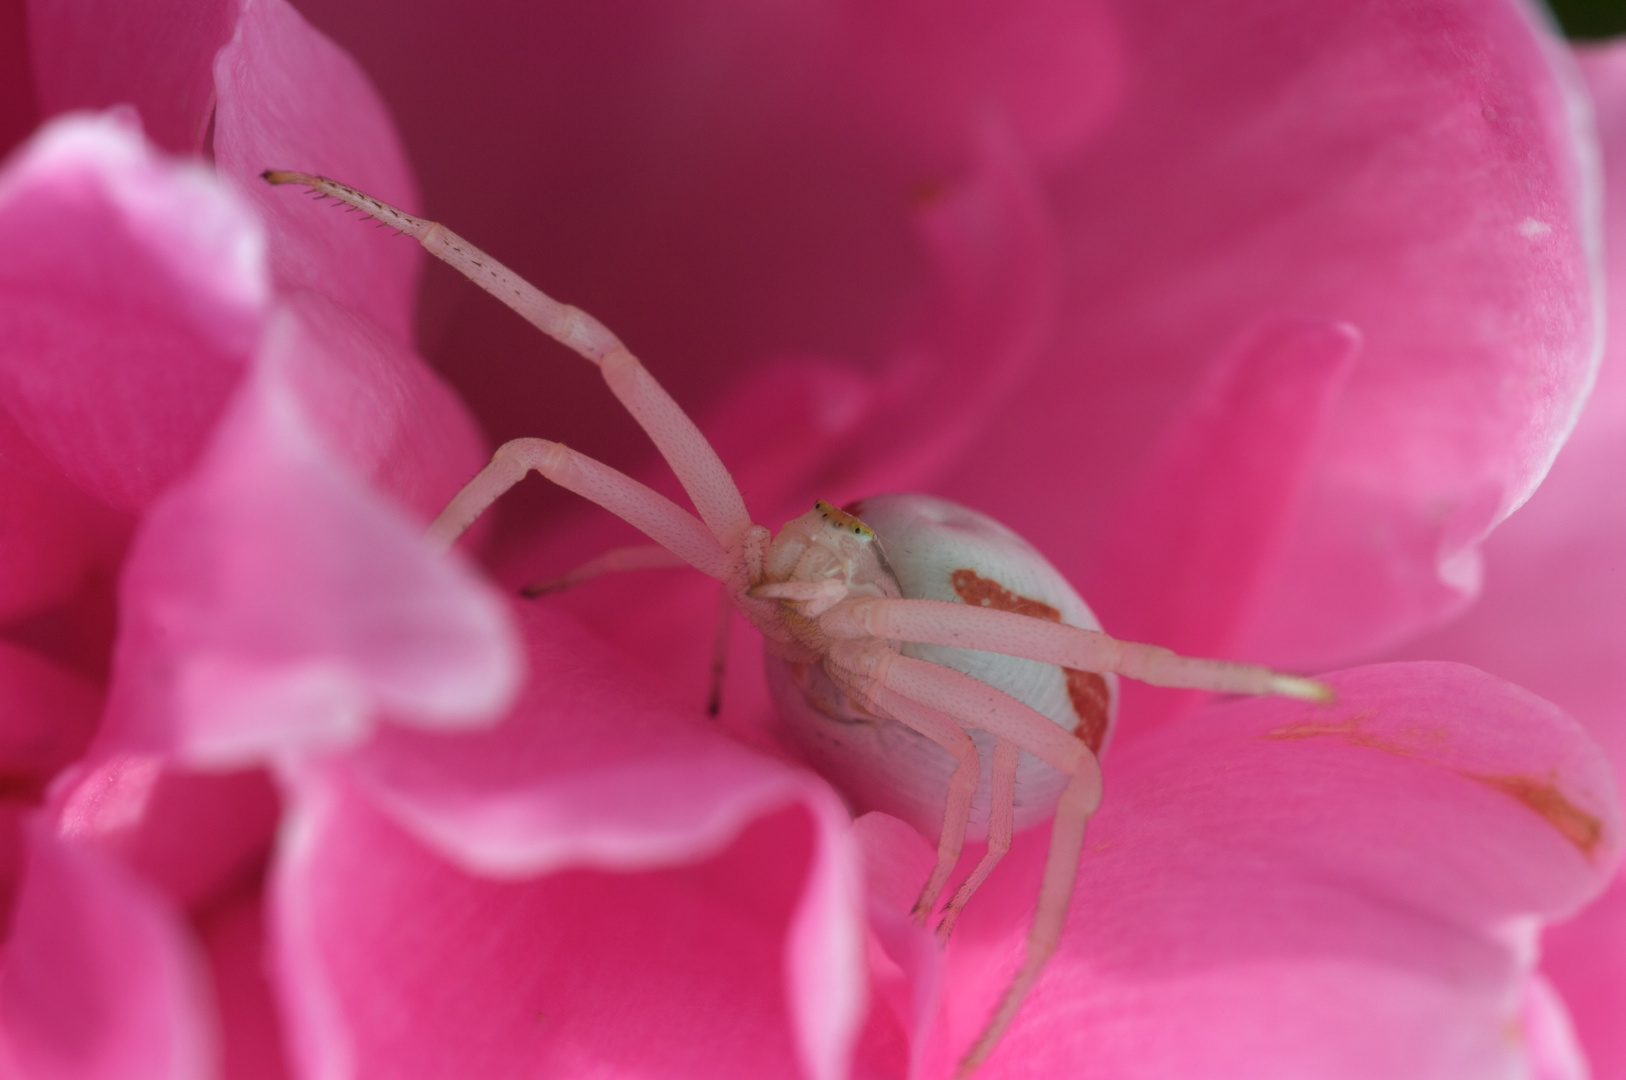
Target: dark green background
{"x": 1590, "y": 18}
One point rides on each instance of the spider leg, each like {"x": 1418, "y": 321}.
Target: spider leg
{"x": 652, "y": 513}
{"x": 691, "y": 457}
{"x": 719, "y": 650}
{"x": 1001, "y": 824}
{"x": 941, "y": 622}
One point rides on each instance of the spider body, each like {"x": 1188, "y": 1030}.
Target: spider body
{"x": 927, "y": 659}
{"x": 932, "y": 549}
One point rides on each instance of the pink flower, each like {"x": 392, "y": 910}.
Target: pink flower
{"x": 1255, "y": 320}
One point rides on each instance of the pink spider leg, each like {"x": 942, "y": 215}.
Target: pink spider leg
{"x": 877, "y": 668}
{"x": 1001, "y": 825}
{"x": 691, "y": 457}
{"x": 646, "y": 510}
{"x": 941, "y": 622}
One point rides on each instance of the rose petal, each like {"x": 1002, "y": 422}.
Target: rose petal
{"x": 47, "y": 715}
{"x": 1553, "y": 613}
{"x": 377, "y": 406}
{"x": 251, "y": 1046}
{"x": 99, "y": 981}
{"x": 131, "y": 295}
{"x": 1411, "y": 170}
{"x": 18, "y": 111}
{"x": 291, "y": 99}
{"x": 190, "y": 835}
{"x": 49, "y": 529}
{"x": 1275, "y": 889}
{"x": 274, "y": 603}
{"x": 153, "y": 54}
{"x": 592, "y": 826}
{"x": 1207, "y": 518}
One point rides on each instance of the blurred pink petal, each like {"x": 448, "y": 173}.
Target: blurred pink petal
{"x": 1275, "y": 889}
{"x": 371, "y": 400}
{"x": 47, "y": 715}
{"x": 1549, "y": 1036}
{"x": 100, "y": 982}
{"x": 50, "y": 531}
{"x": 273, "y": 602}
{"x": 134, "y": 294}
{"x": 598, "y": 882}
{"x": 18, "y": 112}
{"x": 190, "y": 835}
{"x": 251, "y": 1046}
{"x": 153, "y": 54}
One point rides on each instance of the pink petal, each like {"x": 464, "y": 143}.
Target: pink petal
{"x": 190, "y": 835}
{"x": 598, "y": 856}
{"x": 1408, "y": 169}
{"x": 131, "y": 295}
{"x": 18, "y": 111}
{"x": 1208, "y": 516}
{"x": 50, "y": 531}
{"x": 1585, "y": 958}
{"x": 1553, "y": 614}
{"x": 291, "y": 99}
{"x": 251, "y": 1045}
{"x": 153, "y": 54}
{"x": 1552, "y": 1048}
{"x": 47, "y": 714}
{"x": 714, "y": 236}
{"x": 1275, "y": 889}
{"x": 377, "y": 406}
{"x": 273, "y": 603}
{"x": 99, "y": 981}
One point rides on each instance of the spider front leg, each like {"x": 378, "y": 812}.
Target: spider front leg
{"x": 697, "y": 466}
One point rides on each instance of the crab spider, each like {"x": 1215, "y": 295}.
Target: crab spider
{"x": 909, "y": 639}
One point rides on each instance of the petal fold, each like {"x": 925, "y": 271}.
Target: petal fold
{"x": 132, "y": 294}
{"x": 596, "y": 847}
{"x": 273, "y": 603}
{"x": 100, "y": 982}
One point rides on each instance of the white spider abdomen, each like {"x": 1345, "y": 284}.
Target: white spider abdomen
{"x": 939, "y": 550}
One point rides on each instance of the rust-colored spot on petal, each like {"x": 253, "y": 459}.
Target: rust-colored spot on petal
{"x": 1087, "y": 690}
{"x": 1541, "y": 794}
{"x": 1348, "y": 730}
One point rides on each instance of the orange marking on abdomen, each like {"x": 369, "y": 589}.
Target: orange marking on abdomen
{"x": 1087, "y": 690}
